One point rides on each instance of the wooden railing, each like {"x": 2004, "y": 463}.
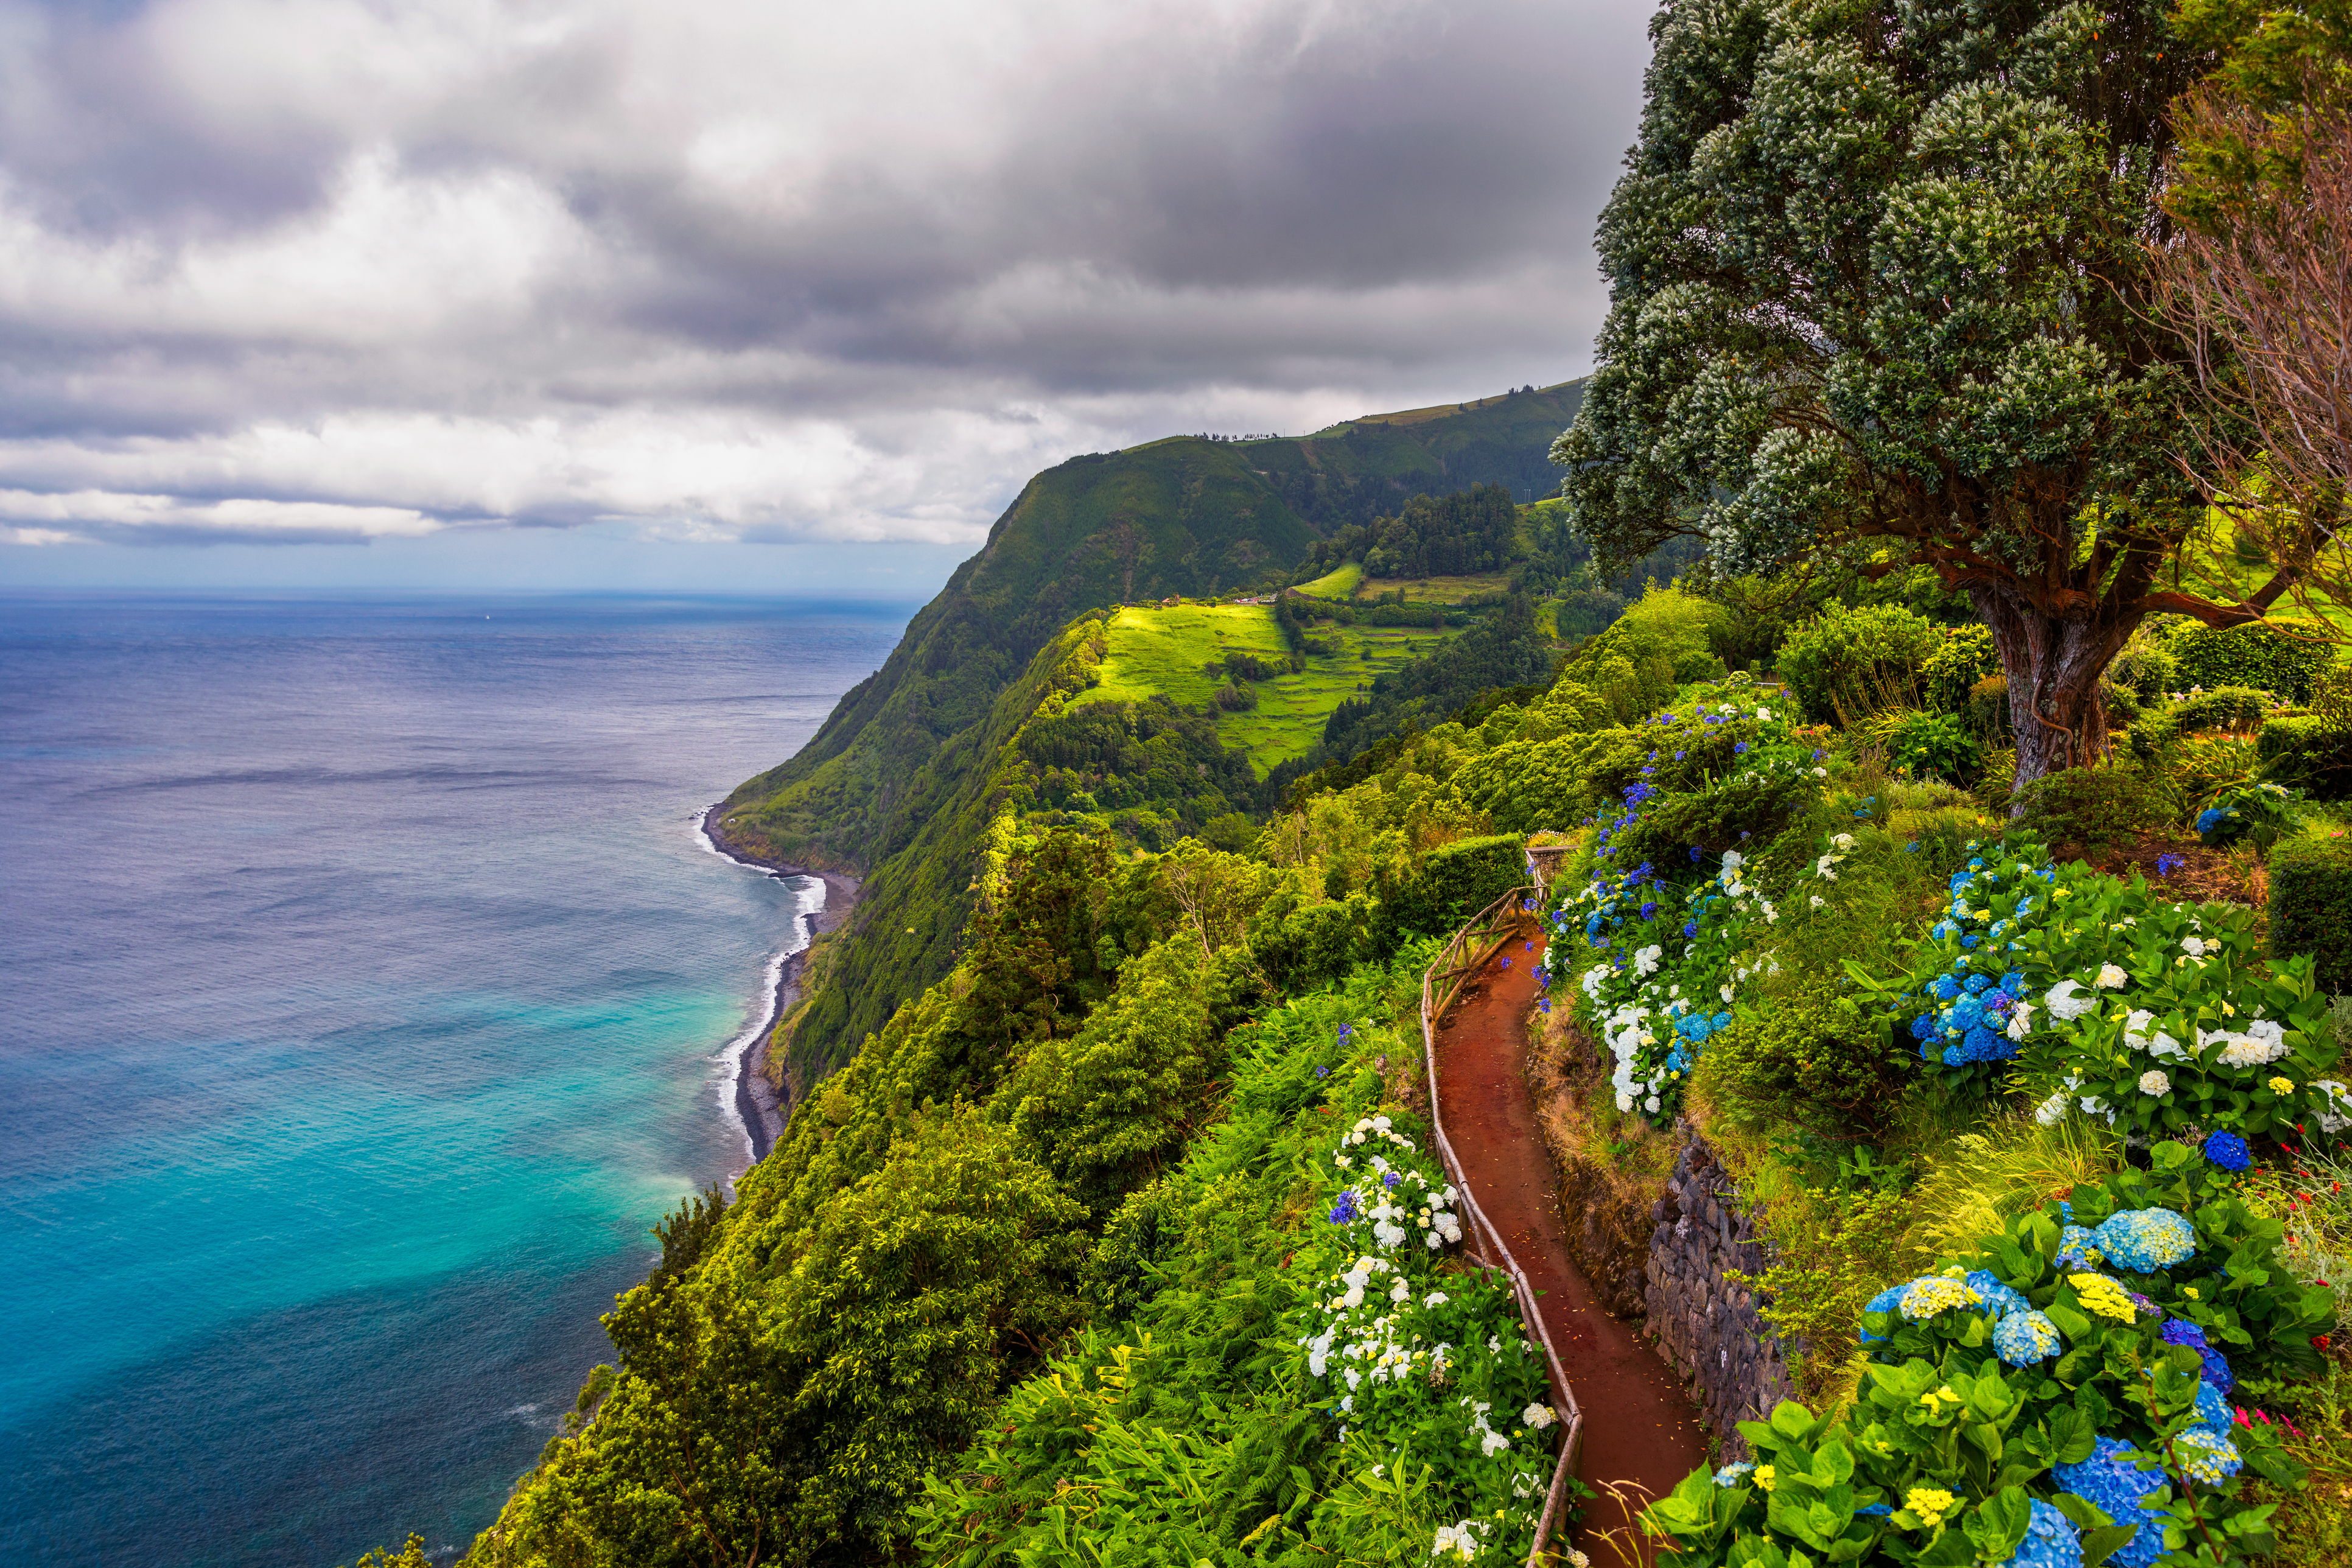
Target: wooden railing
{"x": 1469, "y": 951}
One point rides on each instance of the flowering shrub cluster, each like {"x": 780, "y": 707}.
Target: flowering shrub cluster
{"x": 2168, "y": 1020}
{"x": 2162, "y": 1018}
{"x": 1965, "y": 999}
{"x": 1420, "y": 1362}
{"x": 2260, "y": 813}
{"x": 2064, "y": 1396}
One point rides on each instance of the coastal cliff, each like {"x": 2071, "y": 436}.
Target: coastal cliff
{"x": 892, "y": 789}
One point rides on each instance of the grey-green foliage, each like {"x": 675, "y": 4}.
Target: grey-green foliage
{"x": 1871, "y": 273}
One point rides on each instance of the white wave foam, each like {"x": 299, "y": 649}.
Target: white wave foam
{"x": 808, "y": 897}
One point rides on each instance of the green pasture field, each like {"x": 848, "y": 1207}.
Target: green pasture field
{"x": 1161, "y": 651}
{"x": 1339, "y": 584}
{"x": 1432, "y": 590}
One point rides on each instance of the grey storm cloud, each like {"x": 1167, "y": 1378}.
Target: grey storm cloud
{"x": 335, "y": 269}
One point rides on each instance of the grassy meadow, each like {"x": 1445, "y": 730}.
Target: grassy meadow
{"x": 1162, "y": 651}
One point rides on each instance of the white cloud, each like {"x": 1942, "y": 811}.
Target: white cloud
{"x": 340, "y": 269}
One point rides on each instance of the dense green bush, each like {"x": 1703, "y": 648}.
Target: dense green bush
{"x": 1302, "y": 947}
{"x": 1454, "y": 882}
{"x": 2305, "y": 750}
{"x": 2260, "y": 655}
{"x": 1953, "y": 671}
{"x": 1744, "y": 811}
{"x": 2093, "y": 807}
{"x": 2147, "y": 669}
{"x": 1810, "y": 1061}
{"x": 2311, "y": 906}
{"x": 1845, "y": 663}
{"x": 2222, "y": 707}
{"x": 1988, "y": 707}
{"x": 1936, "y": 745}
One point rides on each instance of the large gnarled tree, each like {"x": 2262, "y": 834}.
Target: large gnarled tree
{"x": 1878, "y": 271}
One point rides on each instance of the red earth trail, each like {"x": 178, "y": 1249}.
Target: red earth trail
{"x": 1639, "y": 1424}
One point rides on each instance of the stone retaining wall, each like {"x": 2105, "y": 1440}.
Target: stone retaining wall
{"x": 1707, "y": 1326}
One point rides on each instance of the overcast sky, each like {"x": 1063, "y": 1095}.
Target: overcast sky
{"x": 720, "y": 294}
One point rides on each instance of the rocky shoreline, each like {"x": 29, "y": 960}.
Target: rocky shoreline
{"x": 757, "y": 1099}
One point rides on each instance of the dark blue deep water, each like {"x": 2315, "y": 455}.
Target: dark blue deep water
{"x": 368, "y": 995}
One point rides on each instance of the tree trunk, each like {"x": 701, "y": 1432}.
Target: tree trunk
{"x": 2052, "y": 664}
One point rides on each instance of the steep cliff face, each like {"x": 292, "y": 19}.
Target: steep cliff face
{"x": 892, "y": 785}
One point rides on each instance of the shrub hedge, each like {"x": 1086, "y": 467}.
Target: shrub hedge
{"x": 2311, "y": 906}
{"x": 2257, "y": 655}
{"x": 1456, "y": 881}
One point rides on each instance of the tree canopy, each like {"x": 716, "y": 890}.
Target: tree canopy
{"x": 1878, "y": 271}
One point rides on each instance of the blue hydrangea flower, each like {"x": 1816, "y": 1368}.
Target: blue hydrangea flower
{"x": 1885, "y": 1301}
{"x": 1999, "y": 1298}
{"x": 2051, "y": 1539}
{"x": 2079, "y": 1244}
{"x": 2110, "y": 1479}
{"x": 1690, "y": 929}
{"x": 1976, "y": 982}
{"x": 2228, "y": 1150}
{"x": 1732, "y": 1475}
{"x": 1344, "y": 1211}
{"x": 1947, "y": 986}
{"x": 2024, "y": 1338}
{"x": 2181, "y": 1332}
{"x": 2206, "y": 1456}
{"x": 2213, "y": 1412}
{"x": 2145, "y": 1240}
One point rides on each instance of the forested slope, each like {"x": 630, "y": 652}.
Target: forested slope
{"x": 891, "y": 786}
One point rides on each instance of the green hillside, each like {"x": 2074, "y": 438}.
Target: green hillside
{"x": 889, "y": 773}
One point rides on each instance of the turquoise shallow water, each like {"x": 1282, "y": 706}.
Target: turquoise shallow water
{"x": 368, "y": 990}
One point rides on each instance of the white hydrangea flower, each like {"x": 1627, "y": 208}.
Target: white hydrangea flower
{"x": 2154, "y": 1082}
{"x": 1435, "y": 1299}
{"x": 1733, "y": 860}
{"x": 2052, "y": 1110}
{"x": 2110, "y": 978}
{"x": 1645, "y": 961}
{"x": 1844, "y": 841}
{"x": 2020, "y": 1020}
{"x": 2064, "y": 1002}
{"x": 1537, "y": 1417}
{"x": 2194, "y": 946}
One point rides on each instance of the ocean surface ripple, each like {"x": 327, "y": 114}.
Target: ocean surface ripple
{"x": 370, "y": 995}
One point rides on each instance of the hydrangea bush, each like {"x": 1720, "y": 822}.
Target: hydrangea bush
{"x": 1420, "y": 1362}
{"x": 2162, "y": 1018}
{"x": 2065, "y": 1396}
{"x": 2168, "y": 1019}
{"x": 1965, "y": 999}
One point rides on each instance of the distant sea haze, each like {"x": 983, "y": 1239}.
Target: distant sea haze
{"x": 369, "y": 990}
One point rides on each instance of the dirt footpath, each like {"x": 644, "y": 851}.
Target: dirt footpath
{"x": 1638, "y": 1424}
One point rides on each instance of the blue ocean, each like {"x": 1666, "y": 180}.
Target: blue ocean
{"x": 370, "y": 993}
